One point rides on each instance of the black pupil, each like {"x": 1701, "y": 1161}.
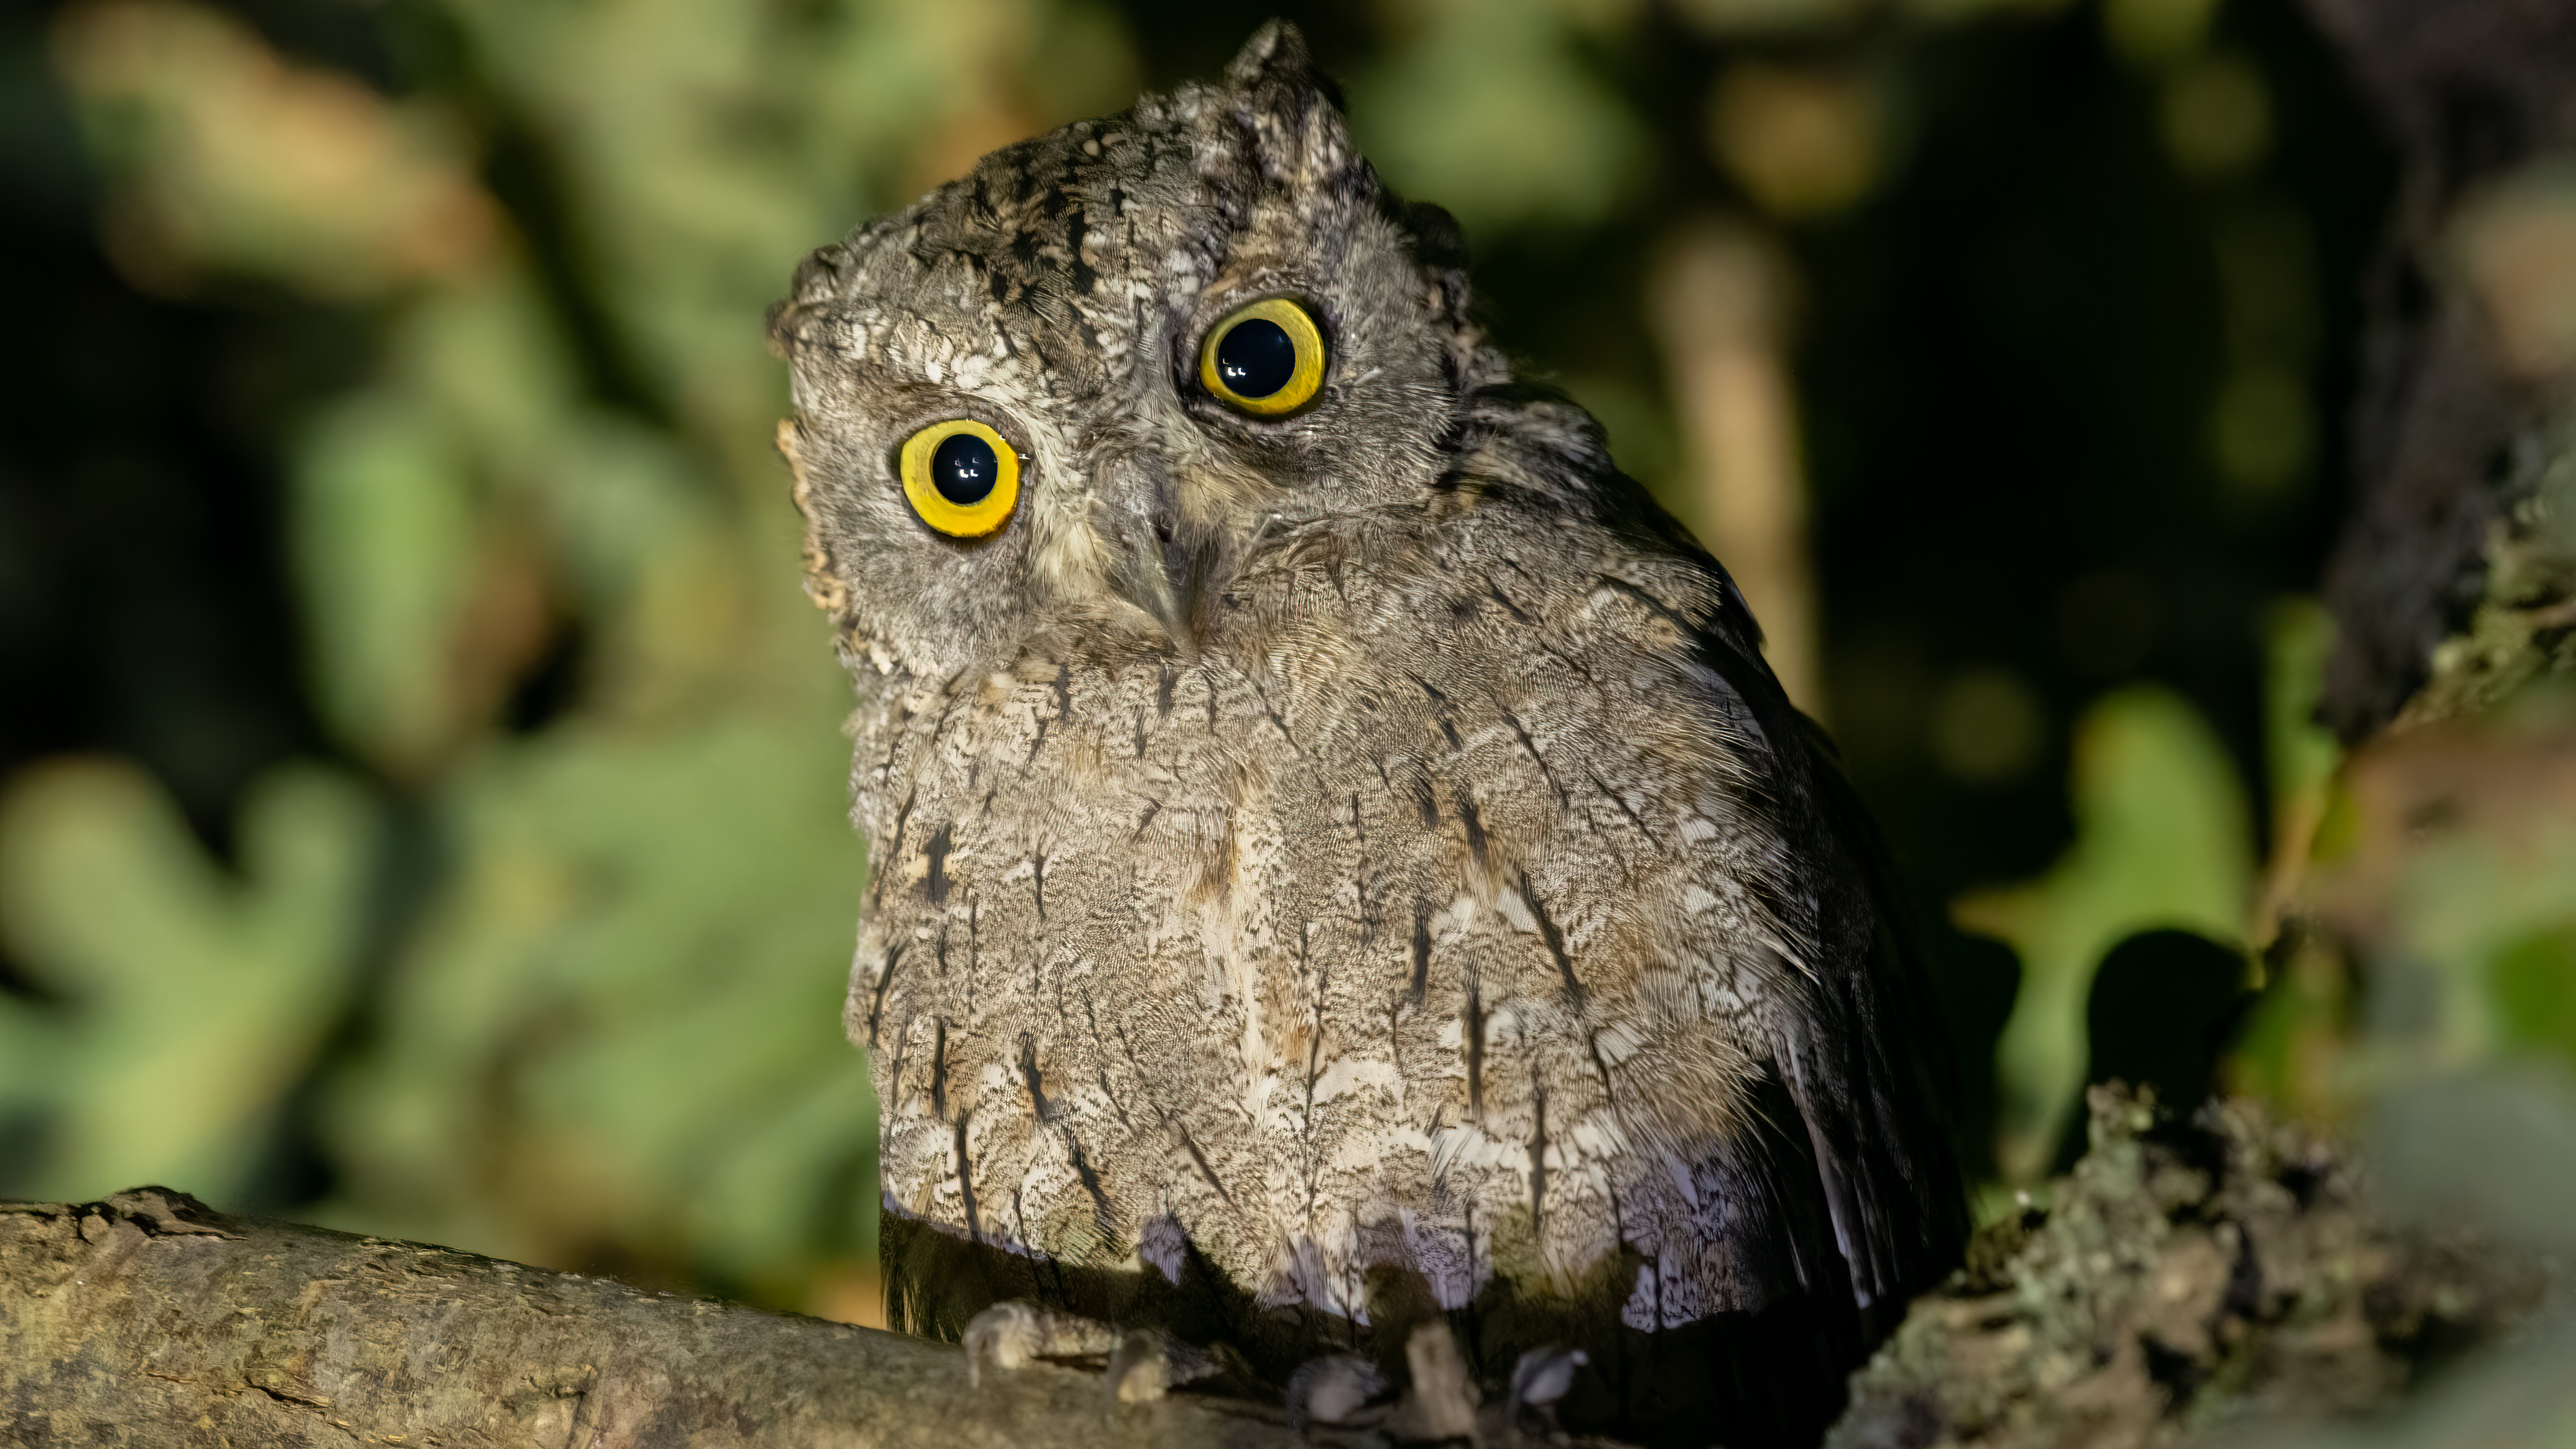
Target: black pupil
{"x": 964, "y": 469}
{"x": 1256, "y": 357}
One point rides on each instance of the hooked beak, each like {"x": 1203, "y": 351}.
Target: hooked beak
{"x": 1159, "y": 563}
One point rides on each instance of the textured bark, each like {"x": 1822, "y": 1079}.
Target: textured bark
{"x": 150, "y": 1319}
{"x": 2442, "y": 429}
{"x": 2187, "y": 1276}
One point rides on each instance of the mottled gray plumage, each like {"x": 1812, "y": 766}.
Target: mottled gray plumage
{"x": 1358, "y": 859}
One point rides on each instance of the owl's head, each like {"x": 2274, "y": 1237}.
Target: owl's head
{"x": 1053, "y": 403}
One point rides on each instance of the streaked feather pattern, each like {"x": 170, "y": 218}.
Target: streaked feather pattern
{"x": 1357, "y": 860}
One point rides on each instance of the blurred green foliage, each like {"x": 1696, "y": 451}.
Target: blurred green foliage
{"x": 201, "y": 993}
{"x": 2162, "y": 843}
{"x": 563, "y": 990}
{"x": 1574, "y": 140}
{"x": 2442, "y": 905}
{"x": 533, "y": 942}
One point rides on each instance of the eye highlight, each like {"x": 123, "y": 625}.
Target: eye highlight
{"x": 1266, "y": 359}
{"x": 961, "y": 477}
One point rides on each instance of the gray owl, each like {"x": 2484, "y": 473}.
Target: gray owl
{"x": 1337, "y": 855}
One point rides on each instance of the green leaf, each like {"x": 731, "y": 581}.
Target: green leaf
{"x": 2162, "y": 842}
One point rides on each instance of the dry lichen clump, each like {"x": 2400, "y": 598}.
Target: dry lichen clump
{"x": 2185, "y": 1276}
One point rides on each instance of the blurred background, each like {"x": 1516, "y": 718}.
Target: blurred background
{"x": 423, "y": 806}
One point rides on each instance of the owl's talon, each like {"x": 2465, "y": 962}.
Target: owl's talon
{"x": 1147, "y": 1364}
{"x": 1540, "y": 1378}
{"x": 1014, "y": 1333}
{"x": 1332, "y": 1390}
{"x": 1441, "y": 1404}
{"x": 1005, "y": 1333}
{"x": 1138, "y": 1373}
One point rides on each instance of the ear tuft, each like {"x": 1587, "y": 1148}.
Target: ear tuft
{"x": 1276, "y": 61}
{"x": 1291, "y": 113}
{"x": 1276, "y": 53}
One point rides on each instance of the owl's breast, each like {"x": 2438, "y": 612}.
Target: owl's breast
{"x": 1433, "y": 927}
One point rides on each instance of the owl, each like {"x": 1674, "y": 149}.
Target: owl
{"x": 1337, "y": 857}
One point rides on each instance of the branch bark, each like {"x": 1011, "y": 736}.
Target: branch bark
{"x": 2450, "y": 429}
{"x": 151, "y": 1319}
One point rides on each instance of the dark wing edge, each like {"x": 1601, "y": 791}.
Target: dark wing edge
{"x": 1876, "y": 1089}
{"x": 1868, "y": 1065}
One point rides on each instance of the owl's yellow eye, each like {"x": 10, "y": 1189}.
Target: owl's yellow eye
{"x": 962, "y": 477}
{"x": 1266, "y": 359}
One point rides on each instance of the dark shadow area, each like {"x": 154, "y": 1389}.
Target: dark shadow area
{"x": 2164, "y": 1006}
{"x": 1974, "y": 989}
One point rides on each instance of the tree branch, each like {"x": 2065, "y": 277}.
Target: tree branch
{"x": 151, "y": 1319}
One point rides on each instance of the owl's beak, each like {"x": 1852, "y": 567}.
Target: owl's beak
{"x": 1164, "y": 573}
{"x": 1160, "y": 563}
